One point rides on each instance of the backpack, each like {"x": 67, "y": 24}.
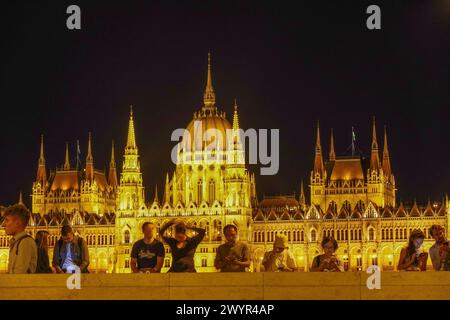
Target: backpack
{"x": 19, "y": 241}
{"x": 80, "y": 245}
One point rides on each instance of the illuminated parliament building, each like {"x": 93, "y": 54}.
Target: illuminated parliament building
{"x": 352, "y": 198}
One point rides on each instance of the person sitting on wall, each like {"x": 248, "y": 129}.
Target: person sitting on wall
{"x": 440, "y": 251}
{"x": 328, "y": 261}
{"x": 147, "y": 255}
{"x": 280, "y": 259}
{"x": 22, "y": 249}
{"x": 70, "y": 252}
{"x": 182, "y": 247}
{"x": 410, "y": 257}
{"x": 43, "y": 263}
{"x": 233, "y": 255}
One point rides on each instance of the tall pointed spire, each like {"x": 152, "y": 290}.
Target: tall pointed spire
{"x": 374, "y": 156}
{"x": 89, "y": 161}
{"x": 112, "y": 176}
{"x": 66, "y": 161}
{"x": 41, "y": 176}
{"x": 302, "y": 199}
{"x": 131, "y": 139}
{"x": 156, "y": 199}
{"x": 235, "y": 116}
{"x": 20, "y": 198}
{"x": 332, "y": 153}
{"x": 386, "y": 159}
{"x": 167, "y": 190}
{"x": 318, "y": 161}
{"x": 209, "y": 97}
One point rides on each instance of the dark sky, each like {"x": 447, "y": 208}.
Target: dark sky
{"x": 288, "y": 66}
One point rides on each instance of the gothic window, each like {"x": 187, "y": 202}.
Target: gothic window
{"x": 360, "y": 235}
{"x": 396, "y": 234}
{"x": 199, "y": 191}
{"x": 371, "y": 234}
{"x": 313, "y": 236}
{"x": 212, "y": 191}
{"x": 167, "y": 263}
{"x": 204, "y": 262}
{"x": 126, "y": 236}
{"x": 302, "y": 236}
{"x": 127, "y": 263}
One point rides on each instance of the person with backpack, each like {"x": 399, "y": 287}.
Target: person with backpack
{"x": 70, "y": 252}
{"x": 22, "y": 250}
{"x": 43, "y": 263}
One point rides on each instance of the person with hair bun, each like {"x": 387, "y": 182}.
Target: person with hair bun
{"x": 328, "y": 261}
{"x": 182, "y": 247}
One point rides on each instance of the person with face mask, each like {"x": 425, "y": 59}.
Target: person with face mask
{"x": 182, "y": 247}
{"x": 328, "y": 261}
{"x": 410, "y": 257}
{"x": 279, "y": 259}
{"x": 233, "y": 255}
{"x": 440, "y": 251}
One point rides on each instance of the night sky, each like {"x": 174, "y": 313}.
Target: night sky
{"x": 287, "y": 65}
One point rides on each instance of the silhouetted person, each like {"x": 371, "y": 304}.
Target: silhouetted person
{"x": 43, "y": 263}
{"x": 182, "y": 247}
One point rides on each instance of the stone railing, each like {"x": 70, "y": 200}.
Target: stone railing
{"x": 228, "y": 286}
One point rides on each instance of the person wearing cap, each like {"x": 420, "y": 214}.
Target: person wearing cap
{"x": 279, "y": 259}
{"x": 328, "y": 261}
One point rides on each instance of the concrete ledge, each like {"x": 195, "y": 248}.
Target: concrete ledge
{"x": 228, "y": 286}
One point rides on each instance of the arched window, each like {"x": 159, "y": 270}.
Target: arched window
{"x": 371, "y": 234}
{"x": 212, "y": 191}
{"x": 199, "y": 191}
{"x": 126, "y": 236}
{"x": 396, "y": 234}
{"x": 313, "y": 236}
{"x": 302, "y": 236}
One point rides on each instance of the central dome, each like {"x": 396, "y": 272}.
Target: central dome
{"x": 205, "y": 120}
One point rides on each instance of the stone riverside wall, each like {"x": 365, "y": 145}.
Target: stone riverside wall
{"x": 252, "y": 286}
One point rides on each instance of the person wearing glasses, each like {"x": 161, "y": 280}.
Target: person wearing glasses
{"x": 328, "y": 261}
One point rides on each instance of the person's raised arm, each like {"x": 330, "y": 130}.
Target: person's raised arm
{"x": 199, "y": 236}
{"x": 164, "y": 229}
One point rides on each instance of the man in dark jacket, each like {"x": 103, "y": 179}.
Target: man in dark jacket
{"x": 70, "y": 252}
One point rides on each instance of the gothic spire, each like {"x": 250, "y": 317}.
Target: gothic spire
{"x": 332, "y": 153}
{"x": 209, "y": 97}
{"x": 89, "y": 161}
{"x": 67, "y": 161}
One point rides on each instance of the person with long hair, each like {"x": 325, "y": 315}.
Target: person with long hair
{"x": 182, "y": 247}
{"x": 328, "y": 261}
{"x": 43, "y": 262}
{"x": 410, "y": 257}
